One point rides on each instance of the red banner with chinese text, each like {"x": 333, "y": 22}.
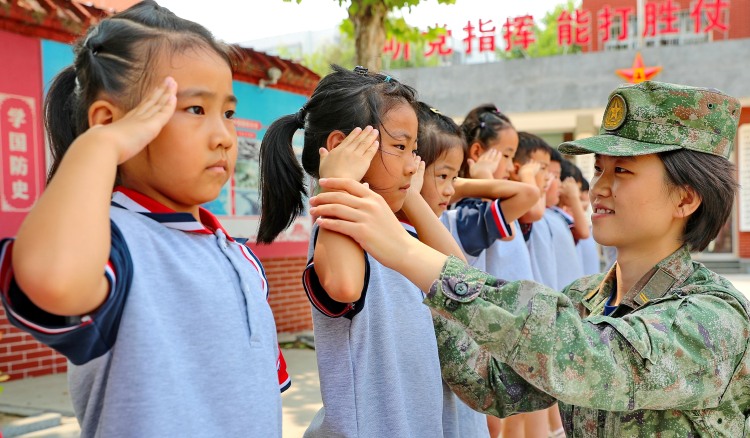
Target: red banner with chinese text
{"x": 21, "y": 137}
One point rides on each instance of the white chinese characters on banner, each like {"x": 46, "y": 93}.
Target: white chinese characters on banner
{"x": 17, "y": 142}
{"x": 18, "y": 153}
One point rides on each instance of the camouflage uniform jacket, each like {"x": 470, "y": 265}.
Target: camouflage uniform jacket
{"x": 671, "y": 361}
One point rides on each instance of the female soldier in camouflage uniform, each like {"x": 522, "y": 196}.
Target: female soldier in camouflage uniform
{"x": 658, "y": 346}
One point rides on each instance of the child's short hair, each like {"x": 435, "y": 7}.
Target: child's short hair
{"x": 342, "y": 101}
{"x": 555, "y": 155}
{"x": 568, "y": 168}
{"x": 529, "y": 143}
{"x": 437, "y": 134}
{"x": 713, "y": 179}
{"x": 585, "y": 187}
{"x": 114, "y": 58}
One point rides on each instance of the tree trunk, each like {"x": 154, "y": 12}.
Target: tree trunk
{"x": 369, "y": 33}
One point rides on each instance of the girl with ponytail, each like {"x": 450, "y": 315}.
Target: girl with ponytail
{"x": 376, "y": 350}
{"x": 162, "y": 316}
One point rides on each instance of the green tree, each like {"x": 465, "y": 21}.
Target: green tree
{"x": 371, "y": 25}
{"x": 339, "y": 52}
{"x": 545, "y": 37}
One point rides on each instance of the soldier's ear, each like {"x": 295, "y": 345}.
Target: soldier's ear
{"x": 688, "y": 201}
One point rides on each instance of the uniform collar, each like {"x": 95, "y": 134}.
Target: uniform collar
{"x": 663, "y": 277}
{"x": 568, "y": 218}
{"x": 140, "y": 203}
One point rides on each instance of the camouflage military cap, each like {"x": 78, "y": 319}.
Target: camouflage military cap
{"x": 653, "y": 117}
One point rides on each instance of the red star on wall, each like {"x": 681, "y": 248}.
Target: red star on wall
{"x": 638, "y": 73}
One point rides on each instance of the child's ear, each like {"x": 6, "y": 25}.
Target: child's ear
{"x": 475, "y": 151}
{"x": 103, "y": 112}
{"x": 334, "y": 139}
{"x": 516, "y": 167}
{"x": 688, "y": 202}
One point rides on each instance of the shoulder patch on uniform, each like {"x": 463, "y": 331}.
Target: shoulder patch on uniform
{"x": 614, "y": 115}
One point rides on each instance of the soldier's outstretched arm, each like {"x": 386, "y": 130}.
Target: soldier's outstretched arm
{"x": 678, "y": 354}
{"x": 481, "y": 381}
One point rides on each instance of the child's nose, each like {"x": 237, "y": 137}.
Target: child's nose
{"x": 449, "y": 190}
{"x": 411, "y": 167}
{"x": 224, "y": 134}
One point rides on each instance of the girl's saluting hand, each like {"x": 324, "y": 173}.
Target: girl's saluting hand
{"x": 486, "y": 165}
{"x": 352, "y": 157}
{"x": 141, "y": 124}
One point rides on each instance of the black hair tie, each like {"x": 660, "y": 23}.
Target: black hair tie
{"x": 300, "y": 117}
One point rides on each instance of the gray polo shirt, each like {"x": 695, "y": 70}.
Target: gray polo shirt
{"x": 185, "y": 344}
{"x": 377, "y": 359}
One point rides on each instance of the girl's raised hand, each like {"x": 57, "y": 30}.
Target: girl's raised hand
{"x": 485, "y": 166}
{"x": 141, "y": 124}
{"x": 417, "y": 180}
{"x": 352, "y": 157}
{"x": 530, "y": 169}
{"x": 570, "y": 194}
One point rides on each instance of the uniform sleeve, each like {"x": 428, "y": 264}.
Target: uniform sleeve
{"x": 79, "y": 338}
{"x": 480, "y": 224}
{"x": 481, "y": 381}
{"x": 285, "y": 381}
{"x": 320, "y": 299}
{"x": 679, "y": 353}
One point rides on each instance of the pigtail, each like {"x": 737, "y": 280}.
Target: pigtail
{"x": 61, "y": 116}
{"x": 282, "y": 184}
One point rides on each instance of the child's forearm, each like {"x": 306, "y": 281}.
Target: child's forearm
{"x": 340, "y": 266}
{"x": 365, "y": 216}
{"x": 535, "y": 213}
{"x": 522, "y": 201}
{"x": 429, "y": 228}
{"x": 63, "y": 244}
{"x": 419, "y": 263}
{"x": 480, "y": 188}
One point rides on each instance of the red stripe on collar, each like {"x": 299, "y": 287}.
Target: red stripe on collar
{"x": 141, "y": 203}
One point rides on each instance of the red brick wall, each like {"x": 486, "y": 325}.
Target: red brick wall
{"x": 21, "y": 356}
{"x": 289, "y": 303}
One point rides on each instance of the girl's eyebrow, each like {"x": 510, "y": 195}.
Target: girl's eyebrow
{"x": 399, "y": 135}
{"x": 446, "y": 166}
{"x": 197, "y": 92}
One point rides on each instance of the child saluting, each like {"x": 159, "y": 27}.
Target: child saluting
{"x": 162, "y": 315}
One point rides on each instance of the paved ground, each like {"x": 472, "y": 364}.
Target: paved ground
{"x": 300, "y": 403}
